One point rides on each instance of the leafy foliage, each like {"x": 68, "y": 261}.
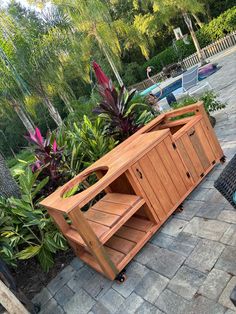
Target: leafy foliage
{"x": 211, "y": 103}
{"x": 49, "y": 160}
{"x": 120, "y": 113}
{"x": 26, "y": 229}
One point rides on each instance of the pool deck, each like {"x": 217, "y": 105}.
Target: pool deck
{"x": 189, "y": 266}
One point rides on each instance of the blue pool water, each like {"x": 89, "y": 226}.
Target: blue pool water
{"x": 169, "y": 89}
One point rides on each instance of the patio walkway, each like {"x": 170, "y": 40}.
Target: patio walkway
{"x": 189, "y": 266}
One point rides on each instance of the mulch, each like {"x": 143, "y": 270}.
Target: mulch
{"x": 31, "y": 279}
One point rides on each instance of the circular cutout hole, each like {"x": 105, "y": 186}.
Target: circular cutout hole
{"x": 86, "y": 182}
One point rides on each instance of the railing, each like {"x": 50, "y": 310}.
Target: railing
{"x": 209, "y": 51}
{"x": 212, "y": 49}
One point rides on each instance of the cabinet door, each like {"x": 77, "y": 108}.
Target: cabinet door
{"x": 196, "y": 150}
{"x": 162, "y": 176}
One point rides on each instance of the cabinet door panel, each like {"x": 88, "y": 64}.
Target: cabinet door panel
{"x": 173, "y": 150}
{"x": 161, "y": 178}
{"x": 202, "y": 134}
{"x": 171, "y": 169}
{"x": 198, "y": 147}
{"x": 147, "y": 188}
{"x": 195, "y": 162}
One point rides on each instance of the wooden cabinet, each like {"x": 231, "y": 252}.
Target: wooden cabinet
{"x": 163, "y": 177}
{"x": 140, "y": 183}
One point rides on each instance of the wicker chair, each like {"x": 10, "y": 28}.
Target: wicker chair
{"x": 226, "y": 183}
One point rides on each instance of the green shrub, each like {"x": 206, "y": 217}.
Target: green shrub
{"x": 131, "y": 73}
{"x": 209, "y": 99}
{"x": 220, "y": 26}
{"x": 26, "y": 230}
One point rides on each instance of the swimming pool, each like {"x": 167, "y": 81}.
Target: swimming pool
{"x": 169, "y": 89}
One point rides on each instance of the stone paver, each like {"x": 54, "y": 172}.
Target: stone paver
{"x": 183, "y": 244}
{"x": 228, "y": 216}
{"x": 160, "y": 260}
{"x": 97, "y": 285}
{"x": 207, "y": 228}
{"x": 151, "y": 286}
{"x": 214, "y": 284}
{"x": 224, "y": 298}
{"x": 205, "y": 306}
{"x": 61, "y": 279}
{"x": 205, "y": 255}
{"x": 190, "y": 208}
{"x": 189, "y": 266}
{"x": 148, "y": 308}
{"x": 135, "y": 272}
{"x": 80, "y": 303}
{"x": 43, "y": 297}
{"x": 52, "y": 307}
{"x": 64, "y": 295}
{"x": 171, "y": 303}
{"x": 229, "y": 236}
{"x": 174, "y": 227}
{"x": 131, "y": 304}
{"x": 210, "y": 210}
{"x": 80, "y": 278}
{"x": 112, "y": 300}
{"x": 76, "y": 263}
{"x": 227, "y": 260}
{"x": 186, "y": 282}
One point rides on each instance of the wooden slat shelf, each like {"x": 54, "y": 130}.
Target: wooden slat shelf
{"x": 122, "y": 245}
{"x": 107, "y": 215}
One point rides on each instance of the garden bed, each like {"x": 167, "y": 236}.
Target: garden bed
{"x": 30, "y": 277}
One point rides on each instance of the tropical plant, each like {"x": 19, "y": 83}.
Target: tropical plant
{"x": 26, "y": 230}
{"x": 119, "y": 112}
{"x": 48, "y": 160}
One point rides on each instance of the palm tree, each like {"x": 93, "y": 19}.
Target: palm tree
{"x": 12, "y": 91}
{"x": 165, "y": 10}
{"x": 28, "y": 46}
{"x": 8, "y": 186}
{"x": 92, "y": 22}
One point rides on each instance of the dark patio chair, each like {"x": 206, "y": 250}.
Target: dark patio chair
{"x": 226, "y": 183}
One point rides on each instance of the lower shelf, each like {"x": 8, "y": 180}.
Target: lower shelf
{"x": 125, "y": 243}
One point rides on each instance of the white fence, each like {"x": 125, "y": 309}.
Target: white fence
{"x": 209, "y": 51}
{"x": 212, "y": 49}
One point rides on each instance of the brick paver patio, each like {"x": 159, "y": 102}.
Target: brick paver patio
{"x": 189, "y": 266}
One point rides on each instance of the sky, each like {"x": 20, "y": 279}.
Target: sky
{"x": 23, "y": 2}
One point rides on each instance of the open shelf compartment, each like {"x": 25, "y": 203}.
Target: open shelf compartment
{"x": 125, "y": 243}
{"x": 107, "y": 215}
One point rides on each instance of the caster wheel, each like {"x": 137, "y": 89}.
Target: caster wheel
{"x": 223, "y": 159}
{"x": 121, "y": 277}
{"x": 180, "y": 208}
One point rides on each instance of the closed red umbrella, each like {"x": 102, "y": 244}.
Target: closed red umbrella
{"x": 102, "y": 79}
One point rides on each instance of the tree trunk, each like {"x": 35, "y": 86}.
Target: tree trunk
{"x": 200, "y": 24}
{"x": 25, "y": 119}
{"x": 200, "y": 53}
{"x": 112, "y": 64}
{"x": 53, "y": 111}
{"x": 66, "y": 101}
{"x": 8, "y": 186}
